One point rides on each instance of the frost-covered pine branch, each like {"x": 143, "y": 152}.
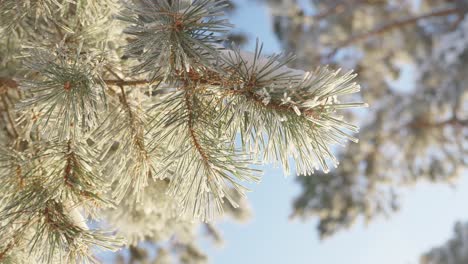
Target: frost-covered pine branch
{"x": 150, "y": 131}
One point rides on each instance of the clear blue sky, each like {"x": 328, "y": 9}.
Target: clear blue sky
{"x": 426, "y": 219}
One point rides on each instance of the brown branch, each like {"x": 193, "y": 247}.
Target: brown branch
{"x": 14, "y": 132}
{"x": 7, "y": 83}
{"x": 209, "y": 78}
{"x": 336, "y": 9}
{"x": 138, "y": 139}
{"x": 192, "y": 133}
{"x": 121, "y": 82}
{"x": 126, "y": 83}
{"x": 276, "y": 106}
{"x": 7, "y": 249}
{"x": 391, "y": 26}
{"x": 68, "y": 167}
{"x": 16, "y": 238}
{"x": 125, "y": 101}
{"x": 19, "y": 174}
{"x": 10, "y": 83}
{"x": 450, "y": 122}
{"x": 213, "y": 78}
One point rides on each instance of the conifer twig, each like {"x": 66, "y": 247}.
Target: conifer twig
{"x": 8, "y": 113}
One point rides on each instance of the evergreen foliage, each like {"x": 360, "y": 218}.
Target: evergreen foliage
{"x": 148, "y": 130}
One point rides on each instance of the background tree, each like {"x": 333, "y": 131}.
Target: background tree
{"x": 453, "y": 252}
{"x": 113, "y": 140}
{"x": 411, "y": 57}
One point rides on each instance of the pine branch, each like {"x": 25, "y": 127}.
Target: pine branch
{"x": 130, "y": 162}
{"x": 68, "y": 91}
{"x": 9, "y": 115}
{"x": 6, "y": 83}
{"x": 10, "y": 83}
{"x": 275, "y": 104}
{"x": 454, "y": 121}
{"x": 343, "y": 6}
{"x": 337, "y": 8}
{"x": 127, "y": 82}
{"x": 391, "y": 26}
{"x": 202, "y": 163}
{"x": 193, "y": 135}
{"x": 57, "y": 225}
{"x": 194, "y": 27}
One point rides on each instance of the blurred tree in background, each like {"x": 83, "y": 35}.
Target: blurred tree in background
{"x": 412, "y": 59}
{"x": 455, "y": 251}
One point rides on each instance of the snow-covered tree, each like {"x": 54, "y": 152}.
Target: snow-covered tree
{"x": 130, "y": 122}
{"x": 411, "y": 57}
{"x": 454, "y": 251}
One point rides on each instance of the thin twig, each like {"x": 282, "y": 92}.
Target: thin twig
{"x": 336, "y": 9}
{"x": 121, "y": 82}
{"x": 451, "y": 122}
{"x": 139, "y": 140}
{"x": 8, "y": 83}
{"x": 275, "y": 105}
{"x": 15, "y": 133}
{"x": 391, "y": 26}
{"x": 69, "y": 165}
{"x": 126, "y": 83}
{"x": 192, "y": 133}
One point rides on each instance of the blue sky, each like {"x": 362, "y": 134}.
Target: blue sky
{"x": 425, "y": 220}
